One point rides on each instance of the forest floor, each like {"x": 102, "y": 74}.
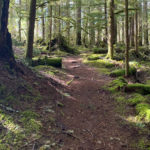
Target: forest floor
{"x": 91, "y": 112}
{"x": 63, "y": 109}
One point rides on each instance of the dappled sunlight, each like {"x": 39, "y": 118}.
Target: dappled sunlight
{"x": 133, "y": 119}
{"x": 7, "y": 122}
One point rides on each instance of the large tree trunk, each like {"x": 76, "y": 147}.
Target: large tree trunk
{"x": 30, "y": 38}
{"x": 6, "y": 52}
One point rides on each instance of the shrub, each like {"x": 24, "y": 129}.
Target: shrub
{"x": 136, "y": 99}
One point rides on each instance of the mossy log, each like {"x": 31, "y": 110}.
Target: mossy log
{"x": 138, "y": 88}
{"x": 121, "y": 72}
{"x": 100, "y": 50}
{"x": 55, "y": 62}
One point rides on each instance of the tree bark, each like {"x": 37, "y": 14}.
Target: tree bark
{"x": 127, "y": 40}
{"x": 106, "y": 31}
{"x": 68, "y": 22}
{"x": 43, "y": 23}
{"x": 78, "y": 24}
{"x": 19, "y": 23}
{"x": 110, "y": 28}
{"x": 136, "y": 29}
{"x": 132, "y": 31}
{"x": 6, "y": 52}
{"x": 145, "y": 23}
{"x": 30, "y": 38}
{"x": 50, "y": 25}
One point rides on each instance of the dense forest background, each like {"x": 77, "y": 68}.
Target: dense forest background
{"x": 87, "y": 23}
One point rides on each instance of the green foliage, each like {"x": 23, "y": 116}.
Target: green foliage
{"x": 143, "y": 144}
{"x": 17, "y": 43}
{"x": 29, "y": 120}
{"x": 117, "y": 84}
{"x": 136, "y": 99}
{"x": 143, "y": 111}
{"x": 138, "y": 88}
{"x": 56, "y": 62}
{"x": 120, "y": 99}
{"x": 121, "y": 72}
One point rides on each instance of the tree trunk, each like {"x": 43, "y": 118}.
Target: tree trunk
{"x": 6, "y": 52}
{"x": 43, "y": 24}
{"x": 110, "y": 28}
{"x": 68, "y": 22}
{"x": 132, "y": 31}
{"x": 145, "y": 23}
{"x": 50, "y": 25}
{"x": 106, "y": 31}
{"x": 30, "y": 38}
{"x": 19, "y": 22}
{"x": 127, "y": 40}
{"x": 136, "y": 29}
{"x": 78, "y": 24}
{"x": 140, "y": 25}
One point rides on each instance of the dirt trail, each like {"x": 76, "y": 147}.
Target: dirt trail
{"x": 89, "y": 120}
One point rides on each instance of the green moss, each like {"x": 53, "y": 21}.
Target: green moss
{"x": 148, "y": 82}
{"x": 56, "y": 62}
{"x": 4, "y": 147}
{"x": 138, "y": 88}
{"x": 2, "y": 90}
{"x": 117, "y": 84}
{"x": 120, "y": 99}
{"x": 10, "y": 98}
{"x": 100, "y": 63}
{"x": 121, "y": 72}
{"x": 95, "y": 56}
{"x": 143, "y": 144}
{"x": 143, "y": 111}
{"x": 136, "y": 99}
{"x": 30, "y": 122}
{"x": 100, "y": 50}
{"x": 14, "y": 135}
